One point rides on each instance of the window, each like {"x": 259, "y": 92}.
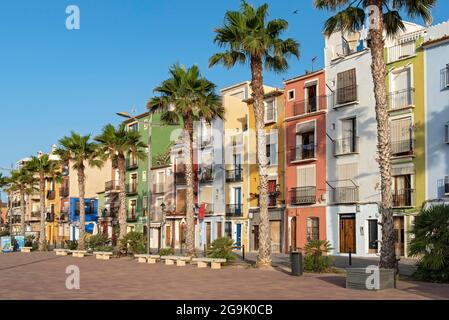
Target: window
{"x": 311, "y": 93}
{"x": 305, "y": 177}
{"x": 313, "y": 229}
{"x": 272, "y": 148}
{"x": 270, "y": 111}
{"x": 373, "y": 234}
{"x": 346, "y": 87}
{"x": 446, "y": 76}
{"x": 133, "y": 204}
{"x": 291, "y": 95}
{"x": 349, "y": 136}
{"x": 134, "y": 127}
{"x": 228, "y": 229}
{"x": 401, "y": 136}
{"x": 144, "y": 176}
{"x": 305, "y": 141}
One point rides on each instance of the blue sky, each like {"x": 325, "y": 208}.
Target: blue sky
{"x": 53, "y": 80}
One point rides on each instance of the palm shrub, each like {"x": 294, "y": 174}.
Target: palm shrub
{"x": 317, "y": 257}
{"x": 97, "y": 241}
{"x": 132, "y": 243}
{"x": 72, "y": 244}
{"x": 221, "y": 248}
{"x": 430, "y": 243}
{"x": 30, "y": 241}
{"x": 166, "y": 251}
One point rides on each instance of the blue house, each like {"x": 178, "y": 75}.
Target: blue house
{"x": 91, "y": 208}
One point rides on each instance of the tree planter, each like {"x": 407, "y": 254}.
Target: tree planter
{"x": 370, "y": 279}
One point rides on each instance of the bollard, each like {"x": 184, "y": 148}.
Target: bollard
{"x": 350, "y": 256}
{"x": 243, "y": 252}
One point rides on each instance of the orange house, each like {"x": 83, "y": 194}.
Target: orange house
{"x": 305, "y": 135}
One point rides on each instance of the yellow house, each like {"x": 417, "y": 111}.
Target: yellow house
{"x": 274, "y": 133}
{"x": 53, "y": 210}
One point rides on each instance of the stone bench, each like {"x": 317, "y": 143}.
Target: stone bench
{"x": 103, "y": 255}
{"x": 180, "y": 260}
{"x": 150, "y": 258}
{"x": 62, "y": 252}
{"x": 78, "y": 253}
{"x": 214, "y": 263}
{"x": 26, "y": 249}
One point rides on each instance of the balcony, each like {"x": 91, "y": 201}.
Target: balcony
{"x": 207, "y": 141}
{"x": 131, "y": 216}
{"x": 64, "y": 191}
{"x": 303, "y": 195}
{"x": 234, "y": 175}
{"x": 131, "y": 188}
{"x": 345, "y": 195}
{"x": 234, "y": 210}
{"x": 401, "y": 99}
{"x": 206, "y": 175}
{"x": 401, "y": 51}
{"x": 63, "y": 217}
{"x": 310, "y": 105}
{"x": 343, "y": 50}
{"x": 272, "y": 201}
{"x": 112, "y": 212}
{"x": 404, "y": 198}
{"x": 344, "y": 96}
{"x": 51, "y": 194}
{"x": 346, "y": 146}
{"x": 180, "y": 178}
{"x": 50, "y": 217}
{"x": 402, "y": 148}
{"x": 35, "y": 215}
{"x": 131, "y": 164}
{"x": 302, "y": 153}
{"x": 112, "y": 186}
{"x": 159, "y": 188}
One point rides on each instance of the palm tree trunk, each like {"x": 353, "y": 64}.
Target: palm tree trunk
{"x": 122, "y": 197}
{"x": 22, "y": 212}
{"x": 81, "y": 187}
{"x": 378, "y": 69}
{"x": 42, "y": 237}
{"x": 190, "y": 215}
{"x": 264, "y": 257}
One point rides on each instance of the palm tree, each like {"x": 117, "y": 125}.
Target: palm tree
{"x": 21, "y": 181}
{"x": 117, "y": 143}
{"x": 385, "y": 18}
{"x": 187, "y": 97}
{"x": 247, "y": 36}
{"x": 78, "y": 149}
{"x": 43, "y": 167}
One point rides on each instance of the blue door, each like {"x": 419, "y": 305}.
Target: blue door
{"x": 238, "y": 201}
{"x": 238, "y": 242}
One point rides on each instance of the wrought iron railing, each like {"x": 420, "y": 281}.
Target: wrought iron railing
{"x": 303, "y": 195}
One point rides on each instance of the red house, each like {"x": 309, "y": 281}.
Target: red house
{"x": 305, "y": 125}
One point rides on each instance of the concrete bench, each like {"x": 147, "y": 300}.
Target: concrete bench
{"x": 26, "y": 249}
{"x": 103, "y": 255}
{"x": 62, "y": 252}
{"x": 141, "y": 258}
{"x": 214, "y": 263}
{"x": 180, "y": 260}
{"x": 78, "y": 253}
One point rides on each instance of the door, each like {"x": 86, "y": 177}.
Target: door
{"x": 399, "y": 236}
{"x": 311, "y": 92}
{"x": 347, "y": 234}
{"x": 293, "y": 244}
{"x": 167, "y": 236}
{"x": 238, "y": 166}
{"x": 238, "y": 238}
{"x": 208, "y": 234}
{"x": 275, "y": 227}
{"x": 219, "y": 233}
{"x": 349, "y": 135}
{"x": 238, "y": 201}
{"x": 255, "y": 237}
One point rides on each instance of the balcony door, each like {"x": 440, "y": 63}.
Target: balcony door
{"x": 311, "y": 93}
{"x": 401, "y": 136}
{"x": 401, "y": 89}
{"x": 402, "y": 191}
{"x": 238, "y": 201}
{"x": 399, "y": 236}
{"x": 349, "y": 133}
{"x": 237, "y": 161}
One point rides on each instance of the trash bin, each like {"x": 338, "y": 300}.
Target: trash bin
{"x": 296, "y": 263}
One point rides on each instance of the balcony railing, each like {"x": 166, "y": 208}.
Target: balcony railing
{"x": 272, "y": 201}
{"x": 310, "y": 105}
{"x": 303, "y": 195}
{"x": 131, "y": 216}
{"x": 206, "y": 175}
{"x": 345, "y": 146}
{"x": 234, "y": 175}
{"x": 50, "y": 217}
{"x": 402, "y": 148}
{"x": 35, "y": 215}
{"x": 401, "y": 51}
{"x": 64, "y": 191}
{"x": 343, "y": 96}
{"x": 180, "y": 178}
{"x": 304, "y": 152}
{"x": 51, "y": 194}
{"x": 345, "y": 195}
{"x": 159, "y": 188}
{"x": 234, "y": 210}
{"x": 404, "y": 198}
{"x": 342, "y": 50}
{"x": 401, "y": 99}
{"x": 131, "y": 188}
{"x": 207, "y": 141}
{"x": 131, "y": 164}
{"x": 113, "y": 185}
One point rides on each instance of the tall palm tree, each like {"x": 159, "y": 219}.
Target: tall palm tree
{"x": 23, "y": 182}
{"x": 43, "y": 167}
{"x": 80, "y": 151}
{"x": 116, "y": 144}
{"x": 187, "y": 97}
{"x": 385, "y": 19}
{"x": 247, "y": 36}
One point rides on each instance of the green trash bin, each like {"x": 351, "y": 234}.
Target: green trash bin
{"x": 296, "y": 263}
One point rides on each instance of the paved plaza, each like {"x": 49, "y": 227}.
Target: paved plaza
{"x": 42, "y": 276}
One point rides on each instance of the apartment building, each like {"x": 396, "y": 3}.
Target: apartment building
{"x": 305, "y": 158}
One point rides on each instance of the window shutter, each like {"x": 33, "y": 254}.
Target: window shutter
{"x": 306, "y": 177}
{"x": 346, "y": 172}
{"x": 346, "y": 86}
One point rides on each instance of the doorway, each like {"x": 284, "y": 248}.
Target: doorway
{"x": 275, "y": 228}
{"x": 347, "y": 234}
{"x": 399, "y": 232}
{"x": 293, "y": 244}
{"x": 238, "y": 239}
{"x": 255, "y": 237}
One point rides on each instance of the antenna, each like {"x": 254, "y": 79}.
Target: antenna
{"x": 313, "y": 62}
